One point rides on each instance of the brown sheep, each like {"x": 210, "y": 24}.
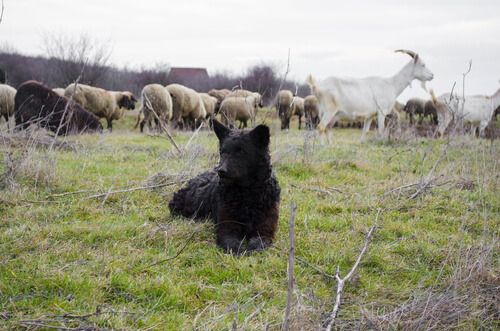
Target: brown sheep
{"x": 430, "y": 110}
{"x": 37, "y": 103}
{"x": 415, "y": 106}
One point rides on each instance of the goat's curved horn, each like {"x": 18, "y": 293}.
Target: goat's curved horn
{"x": 410, "y": 53}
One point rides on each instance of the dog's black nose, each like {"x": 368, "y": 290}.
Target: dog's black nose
{"x": 222, "y": 172}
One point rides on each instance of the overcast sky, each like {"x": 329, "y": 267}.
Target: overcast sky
{"x": 323, "y": 38}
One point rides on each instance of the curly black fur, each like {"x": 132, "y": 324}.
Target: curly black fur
{"x": 241, "y": 195}
{"x": 36, "y": 103}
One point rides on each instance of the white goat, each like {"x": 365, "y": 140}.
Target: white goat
{"x": 366, "y": 98}
{"x": 476, "y": 110}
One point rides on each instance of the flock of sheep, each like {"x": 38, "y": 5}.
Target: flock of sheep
{"x": 333, "y": 99}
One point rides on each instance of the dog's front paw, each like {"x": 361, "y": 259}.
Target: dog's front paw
{"x": 231, "y": 245}
{"x": 258, "y": 244}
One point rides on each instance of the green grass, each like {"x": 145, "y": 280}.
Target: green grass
{"x": 68, "y": 259}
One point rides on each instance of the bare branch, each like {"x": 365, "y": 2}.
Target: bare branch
{"x": 423, "y": 186}
{"x": 163, "y": 126}
{"x": 107, "y": 194}
{"x": 317, "y": 190}
{"x": 114, "y": 192}
{"x": 194, "y": 134}
{"x": 178, "y": 253}
{"x": 341, "y": 282}
{"x": 1, "y": 14}
{"x": 291, "y": 255}
{"x": 307, "y": 264}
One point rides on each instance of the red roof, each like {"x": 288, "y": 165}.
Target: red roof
{"x": 189, "y": 73}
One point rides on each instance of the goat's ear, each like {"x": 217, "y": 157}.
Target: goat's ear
{"x": 416, "y": 58}
{"x": 260, "y": 135}
{"x": 220, "y": 129}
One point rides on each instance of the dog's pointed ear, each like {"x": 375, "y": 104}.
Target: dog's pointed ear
{"x": 260, "y": 135}
{"x": 220, "y": 129}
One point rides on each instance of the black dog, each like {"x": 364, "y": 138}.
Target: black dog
{"x": 241, "y": 195}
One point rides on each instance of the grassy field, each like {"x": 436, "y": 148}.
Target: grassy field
{"x": 88, "y": 242}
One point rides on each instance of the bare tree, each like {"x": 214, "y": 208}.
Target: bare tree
{"x": 72, "y": 53}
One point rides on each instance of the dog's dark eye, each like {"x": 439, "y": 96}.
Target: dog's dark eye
{"x": 239, "y": 151}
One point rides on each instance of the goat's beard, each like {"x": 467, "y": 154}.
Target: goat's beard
{"x": 423, "y": 85}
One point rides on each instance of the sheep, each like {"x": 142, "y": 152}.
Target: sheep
{"x": 110, "y": 105}
{"x": 285, "y": 106}
{"x": 196, "y": 117}
{"x": 415, "y": 106}
{"x": 299, "y": 109}
{"x": 211, "y": 104}
{"x": 311, "y": 111}
{"x": 187, "y": 105}
{"x": 219, "y": 94}
{"x": 238, "y": 108}
{"x": 245, "y": 93}
{"x": 430, "y": 110}
{"x": 7, "y": 95}
{"x": 59, "y": 90}
{"x": 365, "y": 98}
{"x": 156, "y": 99}
{"x": 37, "y": 103}
{"x": 288, "y": 105}
{"x": 476, "y": 110}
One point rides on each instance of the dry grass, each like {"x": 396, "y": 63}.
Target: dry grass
{"x": 87, "y": 241}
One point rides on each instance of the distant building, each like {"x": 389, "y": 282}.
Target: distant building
{"x": 195, "y": 78}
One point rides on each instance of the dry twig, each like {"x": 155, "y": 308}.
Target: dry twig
{"x": 114, "y": 192}
{"x": 178, "y": 253}
{"x": 341, "y": 282}
{"x": 318, "y": 190}
{"x": 291, "y": 256}
{"x": 1, "y": 14}
{"x": 170, "y": 138}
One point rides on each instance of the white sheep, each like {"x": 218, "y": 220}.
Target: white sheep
{"x": 211, "y": 104}
{"x": 238, "y": 108}
{"x": 59, "y": 90}
{"x": 366, "y": 98}
{"x": 187, "y": 105}
{"x": 311, "y": 111}
{"x": 156, "y": 99}
{"x": 245, "y": 93}
{"x": 285, "y": 106}
{"x": 110, "y": 105}
{"x": 219, "y": 94}
{"x": 299, "y": 109}
{"x": 476, "y": 110}
{"x": 7, "y": 96}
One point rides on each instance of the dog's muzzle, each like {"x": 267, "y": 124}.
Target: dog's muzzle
{"x": 223, "y": 175}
